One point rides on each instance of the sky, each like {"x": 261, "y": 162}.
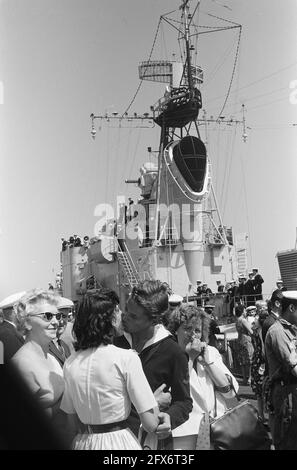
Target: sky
{"x": 61, "y": 60}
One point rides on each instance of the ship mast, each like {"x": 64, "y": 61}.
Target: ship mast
{"x": 185, "y": 9}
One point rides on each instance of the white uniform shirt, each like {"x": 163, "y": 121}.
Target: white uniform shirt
{"x": 100, "y": 384}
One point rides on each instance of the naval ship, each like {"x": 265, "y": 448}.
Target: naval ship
{"x": 175, "y": 231}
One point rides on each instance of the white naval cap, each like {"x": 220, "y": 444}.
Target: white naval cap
{"x": 251, "y": 307}
{"x": 63, "y": 302}
{"x": 290, "y": 295}
{"x": 175, "y": 299}
{"x": 11, "y": 300}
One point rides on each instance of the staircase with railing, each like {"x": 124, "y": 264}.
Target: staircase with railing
{"x": 127, "y": 264}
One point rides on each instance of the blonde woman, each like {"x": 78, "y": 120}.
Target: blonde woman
{"x": 38, "y": 318}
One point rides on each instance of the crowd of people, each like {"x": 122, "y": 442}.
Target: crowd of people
{"x": 246, "y": 290}
{"x": 74, "y": 241}
{"x": 152, "y": 376}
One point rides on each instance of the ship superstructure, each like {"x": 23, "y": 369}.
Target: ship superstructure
{"x": 175, "y": 232}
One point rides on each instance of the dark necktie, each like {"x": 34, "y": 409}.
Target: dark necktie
{"x": 60, "y": 347}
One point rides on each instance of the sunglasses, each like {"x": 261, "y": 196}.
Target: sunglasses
{"x": 48, "y": 316}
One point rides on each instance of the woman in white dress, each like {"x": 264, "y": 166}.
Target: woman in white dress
{"x": 101, "y": 381}
{"x": 209, "y": 377}
{"x": 38, "y": 319}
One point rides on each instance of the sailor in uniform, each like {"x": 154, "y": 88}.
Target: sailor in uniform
{"x": 10, "y": 339}
{"x": 281, "y": 354}
{"x": 258, "y": 281}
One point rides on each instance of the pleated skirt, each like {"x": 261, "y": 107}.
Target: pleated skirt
{"x": 123, "y": 439}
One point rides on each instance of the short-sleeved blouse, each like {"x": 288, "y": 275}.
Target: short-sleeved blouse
{"x": 101, "y": 383}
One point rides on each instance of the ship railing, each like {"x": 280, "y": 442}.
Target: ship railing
{"x": 168, "y": 236}
{"x": 126, "y": 260}
{"x": 176, "y": 95}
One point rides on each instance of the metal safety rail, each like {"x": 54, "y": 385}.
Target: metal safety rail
{"x": 127, "y": 263}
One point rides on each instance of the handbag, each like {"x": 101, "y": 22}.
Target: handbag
{"x": 239, "y": 428}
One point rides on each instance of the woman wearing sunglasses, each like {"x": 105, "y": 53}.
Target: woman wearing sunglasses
{"x": 102, "y": 380}
{"x": 38, "y": 319}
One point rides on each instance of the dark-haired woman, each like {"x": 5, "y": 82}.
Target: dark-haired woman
{"x": 210, "y": 380}
{"x": 102, "y": 380}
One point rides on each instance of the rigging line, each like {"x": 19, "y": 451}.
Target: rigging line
{"x": 128, "y": 153}
{"x": 136, "y": 149}
{"x": 223, "y": 19}
{"x": 257, "y": 81}
{"x": 226, "y": 170}
{"x": 263, "y": 104}
{"x": 163, "y": 42}
{"x": 239, "y": 101}
{"x": 141, "y": 81}
{"x": 245, "y": 195}
{"x": 172, "y": 25}
{"x": 229, "y": 172}
{"x": 217, "y": 153}
{"x": 116, "y": 172}
{"x": 267, "y": 104}
{"x": 217, "y": 67}
{"x": 169, "y": 228}
{"x": 288, "y": 127}
{"x": 217, "y": 30}
{"x": 107, "y": 167}
{"x": 233, "y": 73}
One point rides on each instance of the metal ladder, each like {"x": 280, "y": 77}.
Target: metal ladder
{"x": 128, "y": 265}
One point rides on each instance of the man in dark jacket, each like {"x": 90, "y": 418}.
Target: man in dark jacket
{"x": 199, "y": 293}
{"x": 258, "y": 281}
{"x": 279, "y": 287}
{"x": 281, "y": 353}
{"x": 214, "y": 328}
{"x": 10, "y": 338}
{"x": 241, "y": 288}
{"x": 164, "y": 363}
{"x": 274, "y": 313}
{"x": 250, "y": 290}
{"x": 57, "y": 347}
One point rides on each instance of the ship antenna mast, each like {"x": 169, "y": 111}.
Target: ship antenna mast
{"x": 185, "y": 8}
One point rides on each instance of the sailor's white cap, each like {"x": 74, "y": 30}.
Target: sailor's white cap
{"x": 232, "y": 280}
{"x": 175, "y": 299}
{"x": 290, "y": 295}
{"x": 11, "y": 300}
{"x": 279, "y": 281}
{"x": 242, "y": 276}
{"x": 251, "y": 307}
{"x": 209, "y": 306}
{"x": 65, "y": 303}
